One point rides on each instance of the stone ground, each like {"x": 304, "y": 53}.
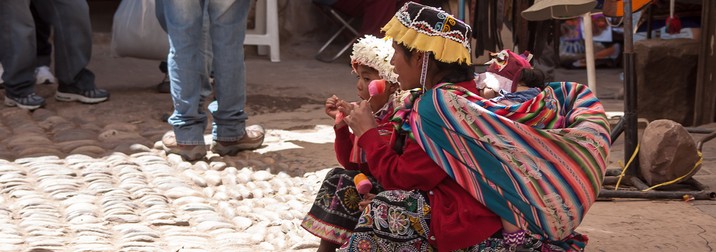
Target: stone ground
{"x": 91, "y": 177}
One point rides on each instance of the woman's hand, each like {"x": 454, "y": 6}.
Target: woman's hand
{"x": 367, "y": 198}
{"x": 360, "y": 119}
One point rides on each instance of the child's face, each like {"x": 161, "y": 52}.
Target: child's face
{"x": 365, "y": 75}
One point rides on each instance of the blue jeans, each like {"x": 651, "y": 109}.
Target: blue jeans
{"x": 72, "y": 40}
{"x": 227, "y": 30}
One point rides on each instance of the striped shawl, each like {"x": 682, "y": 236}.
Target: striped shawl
{"x": 538, "y": 164}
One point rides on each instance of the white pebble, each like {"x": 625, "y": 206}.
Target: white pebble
{"x": 218, "y": 166}
{"x": 261, "y": 176}
{"x": 242, "y": 223}
{"x": 243, "y": 178}
{"x": 201, "y": 166}
{"x": 213, "y": 178}
{"x": 179, "y": 192}
{"x": 198, "y": 180}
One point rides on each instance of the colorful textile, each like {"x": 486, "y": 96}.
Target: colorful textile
{"x": 429, "y": 29}
{"x": 398, "y": 220}
{"x": 394, "y": 221}
{"x": 335, "y": 211}
{"x": 538, "y": 164}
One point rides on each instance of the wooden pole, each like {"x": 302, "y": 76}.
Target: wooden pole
{"x": 589, "y": 51}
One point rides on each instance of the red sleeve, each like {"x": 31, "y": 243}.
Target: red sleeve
{"x": 411, "y": 170}
{"x": 343, "y": 146}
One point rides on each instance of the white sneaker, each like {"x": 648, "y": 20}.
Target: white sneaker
{"x": 43, "y": 75}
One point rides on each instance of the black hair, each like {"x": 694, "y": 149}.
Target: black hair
{"x": 533, "y": 78}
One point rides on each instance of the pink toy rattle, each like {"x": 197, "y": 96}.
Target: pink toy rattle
{"x": 376, "y": 87}
{"x": 362, "y": 183}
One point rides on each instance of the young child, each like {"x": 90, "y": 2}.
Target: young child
{"x": 510, "y": 78}
{"x": 336, "y": 209}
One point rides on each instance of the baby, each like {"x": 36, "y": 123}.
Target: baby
{"x": 510, "y": 78}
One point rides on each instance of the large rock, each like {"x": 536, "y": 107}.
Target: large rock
{"x": 667, "y": 152}
{"x": 666, "y": 78}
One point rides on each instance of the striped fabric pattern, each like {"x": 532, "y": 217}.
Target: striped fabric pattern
{"x": 538, "y": 164}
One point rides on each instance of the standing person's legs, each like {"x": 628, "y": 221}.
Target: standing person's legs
{"x": 73, "y": 49}
{"x": 164, "y": 86}
{"x": 228, "y": 30}
{"x": 43, "y": 29}
{"x": 42, "y": 34}
{"x": 18, "y": 54}
{"x": 186, "y": 63}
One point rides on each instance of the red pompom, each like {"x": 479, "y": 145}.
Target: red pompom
{"x": 673, "y": 25}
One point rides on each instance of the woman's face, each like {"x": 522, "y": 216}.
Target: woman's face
{"x": 365, "y": 75}
{"x": 406, "y": 66}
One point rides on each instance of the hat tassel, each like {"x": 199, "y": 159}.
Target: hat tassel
{"x": 424, "y": 70}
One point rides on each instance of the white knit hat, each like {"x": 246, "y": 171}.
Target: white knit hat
{"x": 375, "y": 53}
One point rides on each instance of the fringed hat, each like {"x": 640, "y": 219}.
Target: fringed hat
{"x": 509, "y": 65}
{"x": 375, "y": 53}
{"x": 433, "y": 30}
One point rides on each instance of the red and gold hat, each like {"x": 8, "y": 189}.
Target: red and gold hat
{"x": 429, "y": 29}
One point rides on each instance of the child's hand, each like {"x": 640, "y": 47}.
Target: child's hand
{"x": 332, "y": 106}
{"x": 345, "y": 107}
{"x": 367, "y": 198}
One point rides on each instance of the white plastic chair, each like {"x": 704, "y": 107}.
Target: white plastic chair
{"x": 265, "y": 34}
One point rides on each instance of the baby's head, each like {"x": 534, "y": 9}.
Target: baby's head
{"x": 512, "y": 66}
{"x": 370, "y": 60}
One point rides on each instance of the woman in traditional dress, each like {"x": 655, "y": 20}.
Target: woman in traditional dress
{"x": 461, "y": 164}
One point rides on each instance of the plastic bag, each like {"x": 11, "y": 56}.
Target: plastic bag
{"x": 136, "y": 32}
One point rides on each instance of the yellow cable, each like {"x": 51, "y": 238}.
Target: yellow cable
{"x": 624, "y": 168}
{"x": 698, "y": 163}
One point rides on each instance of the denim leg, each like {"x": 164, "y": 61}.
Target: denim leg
{"x": 73, "y": 41}
{"x": 18, "y": 53}
{"x": 159, "y": 12}
{"x": 186, "y": 64}
{"x": 228, "y": 30}
{"x": 206, "y": 88}
{"x": 206, "y": 50}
